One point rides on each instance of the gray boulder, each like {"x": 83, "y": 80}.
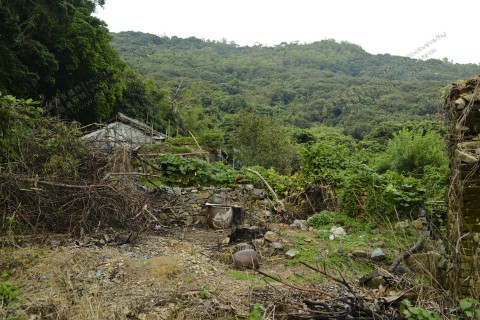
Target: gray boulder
{"x": 277, "y": 245}
{"x": 378, "y": 255}
{"x": 299, "y": 224}
{"x": 290, "y": 254}
{"x": 246, "y": 259}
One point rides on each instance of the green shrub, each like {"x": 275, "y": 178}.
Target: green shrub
{"x": 435, "y": 181}
{"x": 321, "y": 219}
{"x": 194, "y": 172}
{"x": 326, "y": 159}
{"x": 212, "y": 140}
{"x": 470, "y": 308}
{"x": 35, "y": 143}
{"x": 257, "y": 312}
{"x": 259, "y": 140}
{"x": 282, "y": 184}
{"x": 180, "y": 141}
{"x": 9, "y": 293}
{"x": 205, "y": 293}
{"x": 381, "y": 195}
{"x": 327, "y": 218}
{"x": 411, "y": 152}
{"x": 302, "y": 136}
{"x": 414, "y": 313}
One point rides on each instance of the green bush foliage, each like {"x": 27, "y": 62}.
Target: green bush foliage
{"x": 257, "y": 312}
{"x": 259, "y": 140}
{"x": 9, "y": 293}
{"x": 414, "y": 313}
{"x": 321, "y": 219}
{"x": 470, "y": 308}
{"x": 411, "y": 152}
{"x": 33, "y": 143}
{"x": 381, "y": 195}
{"x": 212, "y": 140}
{"x": 283, "y": 185}
{"x": 325, "y": 219}
{"x": 326, "y": 159}
{"x": 411, "y": 171}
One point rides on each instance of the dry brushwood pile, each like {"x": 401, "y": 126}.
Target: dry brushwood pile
{"x": 55, "y": 204}
{"x": 51, "y": 182}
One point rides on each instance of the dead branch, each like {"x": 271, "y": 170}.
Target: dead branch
{"x": 348, "y": 307}
{"x": 95, "y": 124}
{"x": 130, "y": 174}
{"x": 63, "y": 206}
{"x": 323, "y": 272}
{"x": 35, "y": 181}
{"x": 127, "y": 240}
{"x": 150, "y": 214}
{"x": 360, "y": 301}
{"x": 151, "y": 165}
{"x": 416, "y": 247}
{"x": 177, "y": 154}
{"x": 144, "y": 170}
{"x": 295, "y": 287}
{"x": 275, "y": 197}
{"x": 198, "y": 145}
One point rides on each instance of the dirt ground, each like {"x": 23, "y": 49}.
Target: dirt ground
{"x": 172, "y": 273}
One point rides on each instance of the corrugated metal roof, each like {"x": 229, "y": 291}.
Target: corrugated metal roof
{"x": 138, "y": 124}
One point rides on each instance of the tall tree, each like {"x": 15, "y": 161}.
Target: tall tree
{"x": 258, "y": 140}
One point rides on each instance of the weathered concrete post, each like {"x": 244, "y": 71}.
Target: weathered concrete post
{"x": 462, "y": 103}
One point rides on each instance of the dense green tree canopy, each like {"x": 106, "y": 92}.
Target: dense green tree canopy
{"x": 56, "y": 50}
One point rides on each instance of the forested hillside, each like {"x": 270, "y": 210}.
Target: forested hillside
{"x": 326, "y": 82}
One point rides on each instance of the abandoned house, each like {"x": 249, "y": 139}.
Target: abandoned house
{"x": 120, "y": 131}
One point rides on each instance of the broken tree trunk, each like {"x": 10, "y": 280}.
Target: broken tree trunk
{"x": 280, "y": 205}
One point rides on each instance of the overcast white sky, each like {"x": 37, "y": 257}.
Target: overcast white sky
{"x": 395, "y": 27}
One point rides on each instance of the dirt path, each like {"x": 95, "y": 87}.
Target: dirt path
{"x": 170, "y": 274}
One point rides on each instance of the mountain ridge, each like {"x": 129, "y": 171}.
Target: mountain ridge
{"x": 325, "y": 82}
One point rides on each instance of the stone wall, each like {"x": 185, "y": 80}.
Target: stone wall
{"x": 463, "y": 106}
{"x": 187, "y": 206}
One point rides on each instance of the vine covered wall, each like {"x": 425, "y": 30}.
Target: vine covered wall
{"x": 462, "y": 103}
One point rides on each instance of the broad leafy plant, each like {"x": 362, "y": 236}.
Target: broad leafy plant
{"x": 414, "y": 313}
{"x": 193, "y": 172}
{"x": 9, "y": 293}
